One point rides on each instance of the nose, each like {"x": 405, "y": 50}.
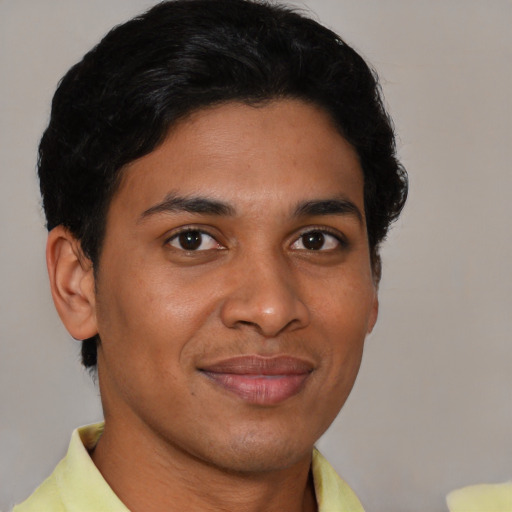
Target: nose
{"x": 264, "y": 295}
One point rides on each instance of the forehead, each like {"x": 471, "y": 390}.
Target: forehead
{"x": 253, "y": 156}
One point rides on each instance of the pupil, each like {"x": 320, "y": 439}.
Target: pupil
{"x": 190, "y": 240}
{"x": 313, "y": 241}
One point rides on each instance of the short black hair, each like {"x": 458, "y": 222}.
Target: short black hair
{"x": 119, "y": 102}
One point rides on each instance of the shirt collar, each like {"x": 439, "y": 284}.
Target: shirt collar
{"x": 83, "y": 488}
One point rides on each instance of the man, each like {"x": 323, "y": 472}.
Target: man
{"x": 217, "y": 176}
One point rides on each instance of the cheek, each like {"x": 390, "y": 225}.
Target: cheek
{"x": 144, "y": 298}
{"x": 144, "y": 327}
{"x": 343, "y": 319}
{"x": 345, "y": 310}
{"x": 153, "y": 322}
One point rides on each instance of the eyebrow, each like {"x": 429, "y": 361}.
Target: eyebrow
{"x": 328, "y": 207}
{"x": 202, "y": 205}
{"x": 173, "y": 203}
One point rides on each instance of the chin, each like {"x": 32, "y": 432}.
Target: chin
{"x": 253, "y": 452}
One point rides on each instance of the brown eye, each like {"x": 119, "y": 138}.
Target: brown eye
{"x": 316, "y": 240}
{"x": 313, "y": 241}
{"x": 193, "y": 240}
{"x": 190, "y": 240}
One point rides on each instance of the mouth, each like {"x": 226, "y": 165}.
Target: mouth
{"x": 260, "y": 380}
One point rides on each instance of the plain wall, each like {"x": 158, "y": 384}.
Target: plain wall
{"x": 432, "y": 407}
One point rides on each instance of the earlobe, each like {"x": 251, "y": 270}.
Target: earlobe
{"x": 72, "y": 283}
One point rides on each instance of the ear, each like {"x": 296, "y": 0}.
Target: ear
{"x": 374, "y": 312}
{"x": 376, "y": 270}
{"x": 72, "y": 283}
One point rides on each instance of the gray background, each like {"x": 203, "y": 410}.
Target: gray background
{"x": 432, "y": 407}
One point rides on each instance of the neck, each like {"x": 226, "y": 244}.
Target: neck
{"x": 149, "y": 474}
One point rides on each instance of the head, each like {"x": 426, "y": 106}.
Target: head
{"x": 180, "y": 71}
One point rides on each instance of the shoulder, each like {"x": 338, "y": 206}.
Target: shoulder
{"x": 481, "y": 498}
{"x": 46, "y": 497}
{"x": 75, "y": 484}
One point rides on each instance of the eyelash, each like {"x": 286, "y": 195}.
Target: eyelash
{"x": 191, "y": 229}
{"x": 339, "y": 237}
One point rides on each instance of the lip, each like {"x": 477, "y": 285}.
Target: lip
{"x": 260, "y": 380}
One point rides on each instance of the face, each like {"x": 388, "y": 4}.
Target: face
{"x": 234, "y": 289}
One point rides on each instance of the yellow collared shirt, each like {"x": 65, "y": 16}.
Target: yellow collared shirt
{"x": 76, "y": 485}
{"x": 481, "y": 498}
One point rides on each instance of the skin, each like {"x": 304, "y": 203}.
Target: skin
{"x": 259, "y": 283}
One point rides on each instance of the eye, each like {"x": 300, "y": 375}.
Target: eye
{"x": 193, "y": 240}
{"x": 317, "y": 240}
